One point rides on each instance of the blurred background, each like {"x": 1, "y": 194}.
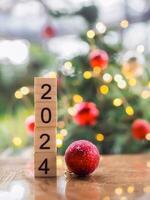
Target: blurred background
{"x": 99, "y": 51}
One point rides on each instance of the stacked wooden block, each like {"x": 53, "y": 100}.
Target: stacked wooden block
{"x": 45, "y": 98}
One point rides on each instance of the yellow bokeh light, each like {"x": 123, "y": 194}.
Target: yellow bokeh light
{"x": 77, "y": 98}
{"x": 124, "y": 23}
{"x": 17, "y": 141}
{"x": 18, "y": 94}
{"x": 24, "y": 90}
{"x": 129, "y": 110}
{"x": 59, "y": 143}
{"x": 64, "y": 132}
{"x": 100, "y": 137}
{"x": 87, "y": 74}
{"x": 96, "y": 71}
{"x": 118, "y": 191}
{"x": 107, "y": 77}
{"x": 59, "y": 136}
{"x": 90, "y": 34}
{"x": 117, "y": 102}
{"x": 130, "y": 189}
{"x": 104, "y": 89}
{"x": 132, "y": 82}
{"x": 147, "y": 137}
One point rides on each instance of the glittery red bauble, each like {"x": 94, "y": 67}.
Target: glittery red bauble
{"x": 30, "y": 124}
{"x": 86, "y": 114}
{"x": 98, "y": 58}
{"x": 140, "y": 128}
{"x": 82, "y": 157}
{"x": 48, "y": 32}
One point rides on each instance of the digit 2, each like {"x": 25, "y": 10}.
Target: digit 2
{"x": 44, "y": 166}
{"x": 49, "y": 115}
{"x": 45, "y": 142}
{"x": 47, "y": 91}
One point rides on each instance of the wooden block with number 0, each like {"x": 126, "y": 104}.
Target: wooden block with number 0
{"x": 45, "y": 139}
{"x": 45, "y": 114}
{"x": 45, "y": 89}
{"x": 45, "y": 164}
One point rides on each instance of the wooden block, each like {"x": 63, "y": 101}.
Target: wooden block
{"x": 45, "y": 89}
{"x": 45, "y": 164}
{"x": 45, "y": 114}
{"x": 45, "y": 140}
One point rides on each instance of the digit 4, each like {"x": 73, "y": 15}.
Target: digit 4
{"x": 44, "y": 166}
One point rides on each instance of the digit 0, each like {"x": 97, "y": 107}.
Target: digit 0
{"x": 44, "y": 166}
{"x": 43, "y": 118}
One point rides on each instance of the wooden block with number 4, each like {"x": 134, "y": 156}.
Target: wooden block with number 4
{"x": 45, "y": 164}
{"x": 45, "y": 114}
{"x": 45, "y": 89}
{"x": 45, "y": 139}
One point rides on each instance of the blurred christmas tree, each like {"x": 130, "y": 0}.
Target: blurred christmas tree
{"x": 102, "y": 89}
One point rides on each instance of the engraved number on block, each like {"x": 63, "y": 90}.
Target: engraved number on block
{"x": 44, "y": 166}
{"x": 49, "y": 115}
{"x": 47, "y": 139}
{"x": 44, "y": 96}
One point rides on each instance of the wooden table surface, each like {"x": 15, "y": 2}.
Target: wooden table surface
{"x": 120, "y": 177}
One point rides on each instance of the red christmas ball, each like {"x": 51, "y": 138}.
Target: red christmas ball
{"x": 98, "y": 58}
{"x": 30, "y": 124}
{"x": 140, "y": 128}
{"x": 82, "y": 157}
{"x": 86, "y": 114}
{"x": 48, "y": 32}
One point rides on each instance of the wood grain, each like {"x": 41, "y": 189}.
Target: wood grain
{"x": 120, "y": 177}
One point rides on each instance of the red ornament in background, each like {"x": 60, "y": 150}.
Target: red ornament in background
{"x": 98, "y": 58}
{"x": 86, "y": 114}
{"x": 48, "y": 32}
{"x": 140, "y": 128}
{"x": 30, "y": 124}
{"x": 82, "y": 157}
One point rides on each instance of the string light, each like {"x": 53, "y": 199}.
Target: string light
{"x": 118, "y": 77}
{"x": 90, "y": 34}
{"x": 147, "y": 137}
{"x": 118, "y": 191}
{"x": 18, "y": 94}
{"x": 124, "y": 23}
{"x": 104, "y": 89}
{"x": 77, "y": 98}
{"x": 59, "y": 140}
{"x": 130, "y": 189}
{"x": 140, "y": 48}
{"x": 17, "y": 141}
{"x": 72, "y": 111}
{"x": 24, "y": 90}
{"x": 101, "y": 27}
{"x": 129, "y": 110}
{"x": 64, "y": 132}
{"x": 122, "y": 84}
{"x": 99, "y": 137}
{"x": 145, "y": 94}
{"x": 117, "y": 102}
{"x": 132, "y": 82}
{"x": 87, "y": 74}
{"x": 107, "y": 77}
